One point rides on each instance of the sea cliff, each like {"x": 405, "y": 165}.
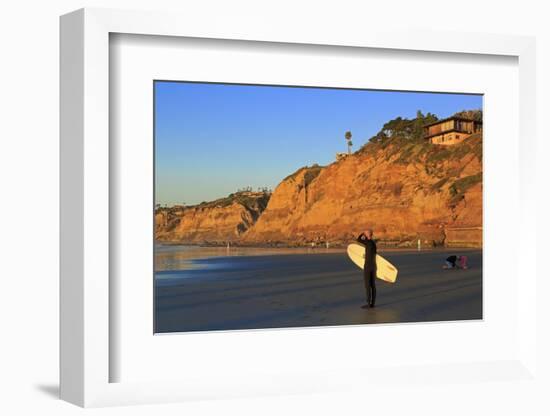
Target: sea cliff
{"x": 404, "y": 190}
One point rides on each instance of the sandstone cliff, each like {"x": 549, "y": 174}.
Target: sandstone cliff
{"x": 220, "y": 221}
{"x": 404, "y": 191}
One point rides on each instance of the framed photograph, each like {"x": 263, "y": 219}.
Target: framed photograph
{"x": 252, "y": 213}
{"x": 260, "y": 222}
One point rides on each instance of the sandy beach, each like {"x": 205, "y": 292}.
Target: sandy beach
{"x": 217, "y": 289}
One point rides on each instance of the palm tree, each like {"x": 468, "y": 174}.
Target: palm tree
{"x": 348, "y": 139}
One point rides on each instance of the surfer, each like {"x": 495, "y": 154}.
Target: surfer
{"x": 369, "y": 270}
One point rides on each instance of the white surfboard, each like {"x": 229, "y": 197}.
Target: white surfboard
{"x": 384, "y": 269}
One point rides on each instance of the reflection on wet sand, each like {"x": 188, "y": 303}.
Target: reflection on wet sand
{"x": 180, "y": 257}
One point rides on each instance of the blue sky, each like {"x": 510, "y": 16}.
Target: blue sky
{"x": 211, "y": 139}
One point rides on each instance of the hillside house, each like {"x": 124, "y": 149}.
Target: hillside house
{"x": 451, "y": 130}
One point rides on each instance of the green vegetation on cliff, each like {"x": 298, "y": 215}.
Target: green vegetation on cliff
{"x": 403, "y": 129}
{"x": 249, "y": 200}
{"x": 404, "y": 151}
{"x": 460, "y": 186}
{"x": 311, "y": 173}
{"x": 402, "y": 141}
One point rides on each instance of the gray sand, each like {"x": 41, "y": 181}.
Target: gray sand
{"x": 311, "y": 289}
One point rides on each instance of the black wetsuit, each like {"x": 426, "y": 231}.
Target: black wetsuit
{"x": 369, "y": 270}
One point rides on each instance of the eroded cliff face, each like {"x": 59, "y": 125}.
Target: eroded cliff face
{"x": 403, "y": 191}
{"x": 220, "y": 221}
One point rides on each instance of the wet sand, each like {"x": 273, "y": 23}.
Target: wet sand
{"x": 249, "y": 290}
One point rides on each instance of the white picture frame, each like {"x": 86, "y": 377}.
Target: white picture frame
{"x": 85, "y": 352}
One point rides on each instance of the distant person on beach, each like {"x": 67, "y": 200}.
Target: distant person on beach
{"x": 463, "y": 262}
{"x": 369, "y": 270}
{"x": 451, "y": 262}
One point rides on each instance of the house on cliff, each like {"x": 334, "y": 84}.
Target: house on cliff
{"x": 451, "y": 130}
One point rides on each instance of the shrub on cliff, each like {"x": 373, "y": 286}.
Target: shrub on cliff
{"x": 402, "y": 128}
{"x": 476, "y": 115}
